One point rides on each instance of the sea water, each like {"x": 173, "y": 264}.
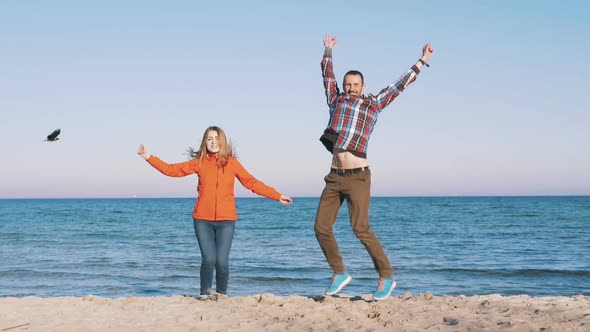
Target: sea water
{"x": 538, "y": 246}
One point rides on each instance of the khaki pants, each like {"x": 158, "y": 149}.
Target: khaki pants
{"x": 355, "y": 189}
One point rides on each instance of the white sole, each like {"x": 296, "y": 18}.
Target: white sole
{"x": 342, "y": 285}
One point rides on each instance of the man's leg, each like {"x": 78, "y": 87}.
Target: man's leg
{"x": 358, "y": 190}
{"x": 330, "y": 203}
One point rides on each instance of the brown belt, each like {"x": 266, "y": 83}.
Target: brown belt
{"x": 342, "y": 171}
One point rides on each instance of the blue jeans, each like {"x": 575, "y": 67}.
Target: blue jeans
{"x": 215, "y": 238}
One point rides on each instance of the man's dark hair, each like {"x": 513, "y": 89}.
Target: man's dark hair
{"x": 356, "y": 72}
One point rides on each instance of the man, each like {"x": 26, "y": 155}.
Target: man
{"x": 352, "y": 119}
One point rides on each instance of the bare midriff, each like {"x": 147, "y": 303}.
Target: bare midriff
{"x": 343, "y": 159}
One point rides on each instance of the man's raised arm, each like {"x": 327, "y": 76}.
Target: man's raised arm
{"x": 388, "y": 94}
{"x": 328, "y": 71}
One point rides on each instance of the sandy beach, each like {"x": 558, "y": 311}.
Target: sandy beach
{"x": 267, "y": 312}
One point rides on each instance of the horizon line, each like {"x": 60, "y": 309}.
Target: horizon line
{"x": 259, "y": 197}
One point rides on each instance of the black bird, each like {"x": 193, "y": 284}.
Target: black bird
{"x": 53, "y": 136}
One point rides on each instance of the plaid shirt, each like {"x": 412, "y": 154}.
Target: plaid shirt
{"x": 353, "y": 118}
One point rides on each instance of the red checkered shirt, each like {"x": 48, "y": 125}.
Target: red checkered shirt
{"x": 352, "y": 118}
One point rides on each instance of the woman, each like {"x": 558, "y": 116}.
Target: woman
{"x": 214, "y": 214}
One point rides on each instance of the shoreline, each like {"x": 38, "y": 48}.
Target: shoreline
{"x": 268, "y": 312}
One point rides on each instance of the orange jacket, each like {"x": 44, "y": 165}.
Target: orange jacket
{"x": 216, "y": 200}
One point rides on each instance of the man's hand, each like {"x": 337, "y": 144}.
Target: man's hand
{"x": 329, "y": 41}
{"x": 427, "y": 52}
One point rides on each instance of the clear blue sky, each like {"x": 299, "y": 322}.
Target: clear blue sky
{"x": 503, "y": 109}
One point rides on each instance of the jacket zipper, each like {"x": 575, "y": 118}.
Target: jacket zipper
{"x": 216, "y": 190}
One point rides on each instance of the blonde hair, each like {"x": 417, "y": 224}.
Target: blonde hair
{"x": 226, "y": 149}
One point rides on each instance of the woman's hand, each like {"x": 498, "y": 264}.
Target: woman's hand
{"x": 142, "y": 151}
{"x": 285, "y": 200}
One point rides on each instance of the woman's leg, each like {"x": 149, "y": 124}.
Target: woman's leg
{"x": 205, "y": 232}
{"x": 224, "y": 236}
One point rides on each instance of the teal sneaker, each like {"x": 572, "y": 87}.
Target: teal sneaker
{"x": 384, "y": 289}
{"x": 338, "y": 282}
